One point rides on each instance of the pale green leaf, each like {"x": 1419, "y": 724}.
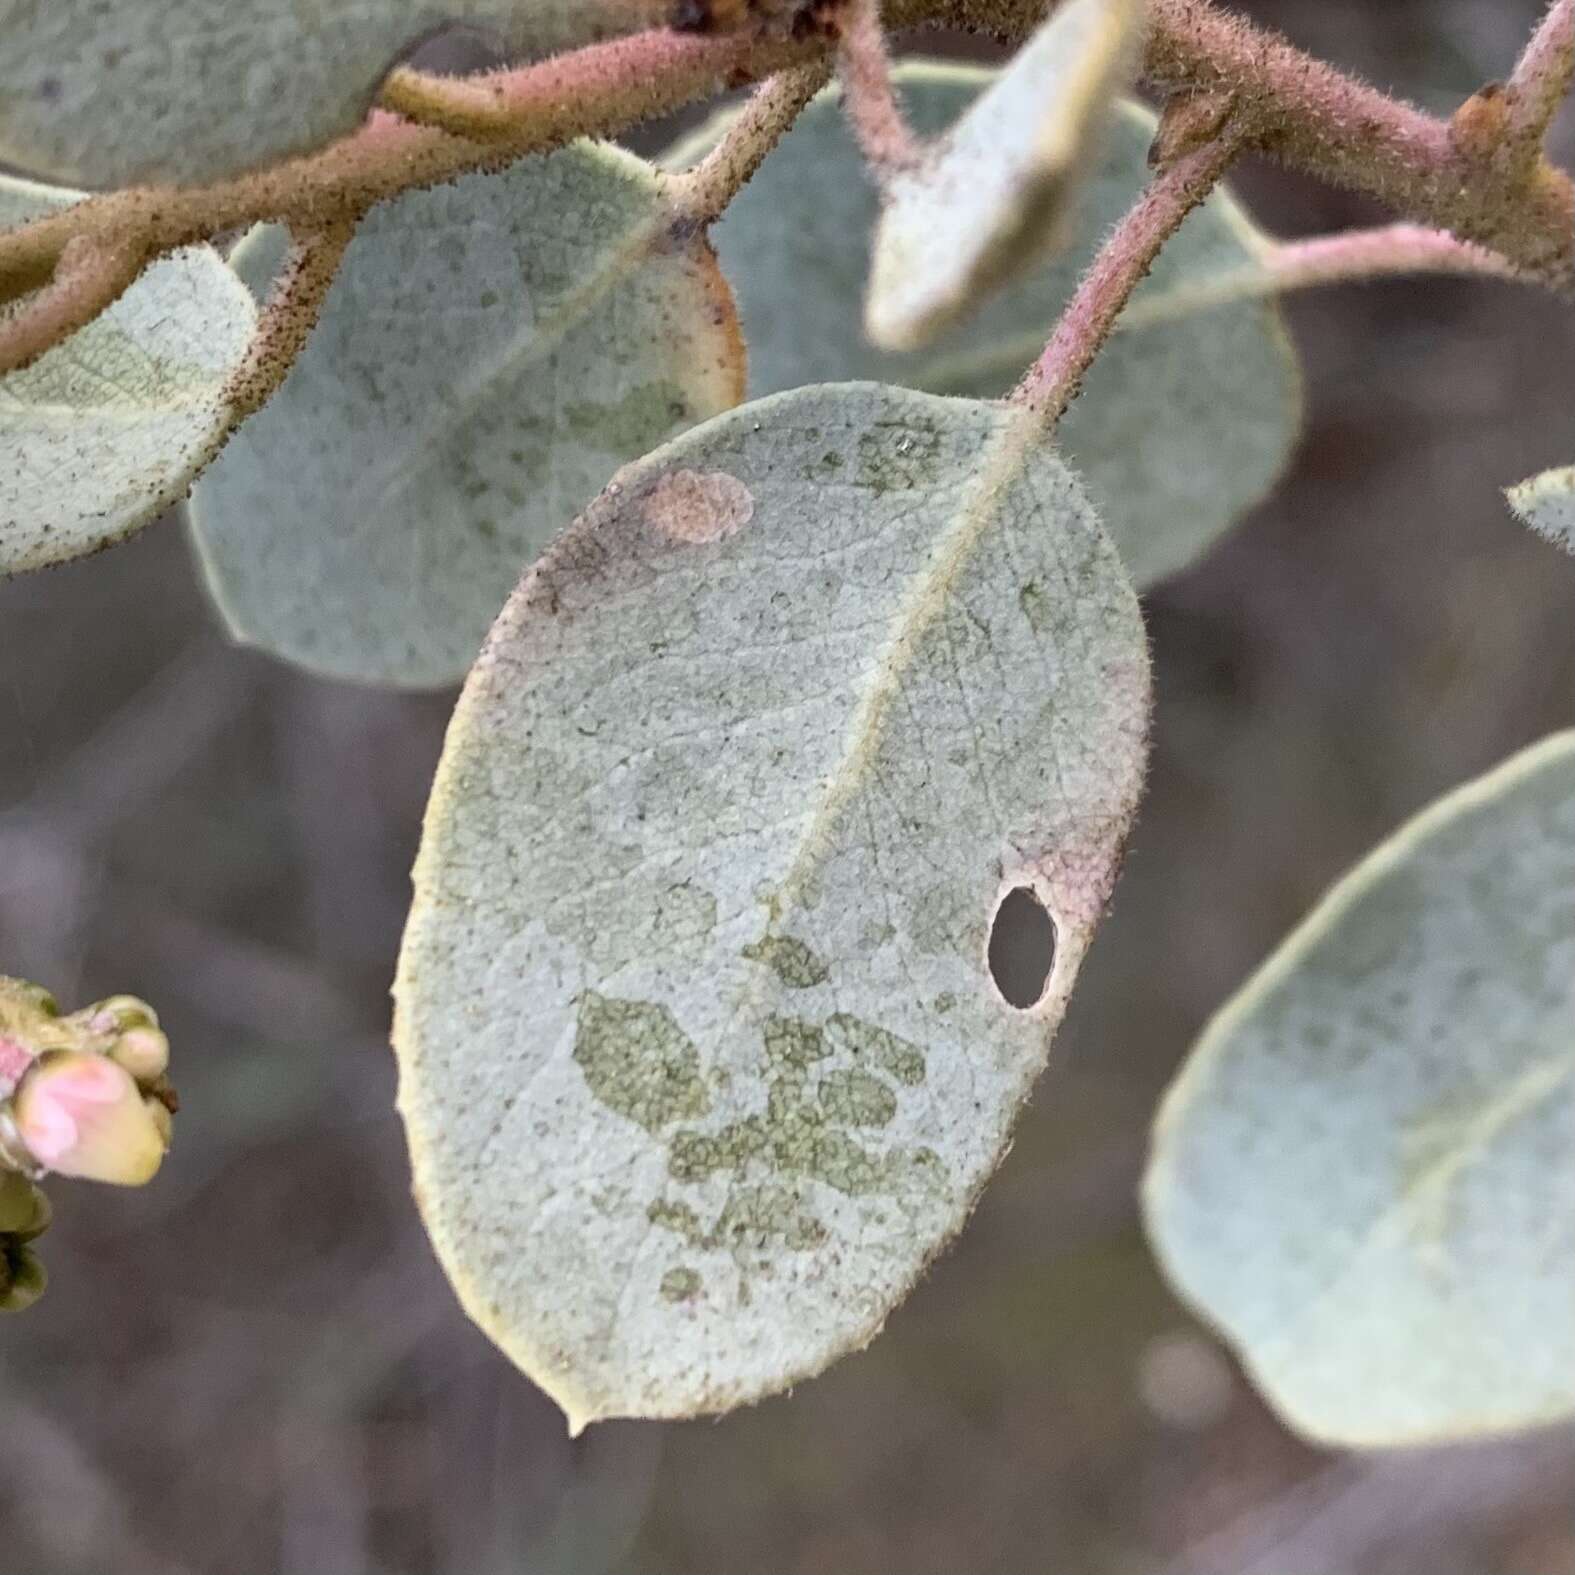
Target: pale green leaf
{"x": 106, "y": 430}
{"x": 700, "y": 1057}
{"x": 490, "y": 353}
{"x": 1365, "y": 1175}
{"x": 1547, "y": 504}
{"x": 1182, "y": 427}
{"x": 126, "y": 92}
{"x": 993, "y": 195}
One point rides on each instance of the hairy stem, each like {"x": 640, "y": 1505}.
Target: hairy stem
{"x": 289, "y": 315}
{"x": 1542, "y": 75}
{"x": 869, "y": 97}
{"x": 1121, "y": 265}
{"x": 700, "y": 195}
{"x": 89, "y": 276}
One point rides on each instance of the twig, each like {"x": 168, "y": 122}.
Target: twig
{"x": 289, "y": 315}
{"x": 1387, "y": 251}
{"x": 1054, "y": 381}
{"x": 1542, "y": 75}
{"x": 89, "y": 276}
{"x": 869, "y": 97}
{"x": 699, "y": 195}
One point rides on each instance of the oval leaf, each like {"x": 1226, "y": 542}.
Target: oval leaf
{"x": 1363, "y": 1176}
{"x": 993, "y": 196}
{"x": 107, "y": 430}
{"x": 1547, "y": 504}
{"x": 700, "y": 1056}
{"x": 489, "y": 354}
{"x": 187, "y": 91}
{"x": 1182, "y": 427}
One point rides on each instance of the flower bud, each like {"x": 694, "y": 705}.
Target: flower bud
{"x": 24, "y": 1210}
{"x": 144, "y": 1052}
{"x": 82, "y": 1115}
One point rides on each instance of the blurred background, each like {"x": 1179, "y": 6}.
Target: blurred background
{"x": 256, "y": 1366}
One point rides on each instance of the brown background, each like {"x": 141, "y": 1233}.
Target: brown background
{"x": 255, "y": 1366}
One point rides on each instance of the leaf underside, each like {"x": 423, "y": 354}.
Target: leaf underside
{"x": 185, "y": 91}
{"x": 106, "y": 430}
{"x": 490, "y": 353}
{"x": 1363, "y": 1176}
{"x": 1182, "y": 427}
{"x": 700, "y": 1059}
{"x": 994, "y": 194}
{"x": 1546, "y": 503}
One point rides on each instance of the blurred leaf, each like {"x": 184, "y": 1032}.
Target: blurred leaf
{"x": 489, "y": 354}
{"x": 993, "y": 195}
{"x": 699, "y": 1063}
{"x": 1547, "y": 504}
{"x": 186, "y": 91}
{"x": 1182, "y": 427}
{"x": 1363, "y": 1175}
{"x": 107, "y": 430}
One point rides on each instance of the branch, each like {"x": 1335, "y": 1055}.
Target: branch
{"x": 700, "y": 195}
{"x": 88, "y": 276}
{"x": 1386, "y": 252}
{"x": 1542, "y": 75}
{"x": 869, "y": 99}
{"x": 1055, "y": 380}
{"x": 289, "y": 315}
{"x": 1298, "y": 109}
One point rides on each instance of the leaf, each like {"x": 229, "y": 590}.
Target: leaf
{"x": 1182, "y": 427}
{"x": 700, "y": 1056}
{"x": 186, "y": 91}
{"x": 489, "y": 354}
{"x": 106, "y": 431}
{"x": 993, "y": 195}
{"x": 1547, "y": 504}
{"x": 1363, "y": 1175}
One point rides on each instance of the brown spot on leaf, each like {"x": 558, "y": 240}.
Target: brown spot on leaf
{"x": 698, "y": 506}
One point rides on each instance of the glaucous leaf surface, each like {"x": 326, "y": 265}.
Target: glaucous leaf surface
{"x": 1182, "y": 427}
{"x": 992, "y": 196}
{"x": 128, "y": 92}
{"x": 489, "y": 354}
{"x": 1365, "y": 1175}
{"x": 106, "y": 430}
{"x": 1547, "y": 504}
{"x": 700, "y": 1057}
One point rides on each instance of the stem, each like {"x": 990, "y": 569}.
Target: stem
{"x": 289, "y": 315}
{"x": 1123, "y": 262}
{"x": 1388, "y": 251}
{"x": 701, "y": 194}
{"x": 1542, "y": 75}
{"x": 869, "y": 98}
{"x": 88, "y": 277}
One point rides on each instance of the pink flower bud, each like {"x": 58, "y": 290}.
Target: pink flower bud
{"x": 82, "y": 1115}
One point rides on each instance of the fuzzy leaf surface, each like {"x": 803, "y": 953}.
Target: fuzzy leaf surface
{"x": 701, "y": 1060}
{"x": 106, "y": 430}
{"x": 1363, "y": 1177}
{"x": 489, "y": 354}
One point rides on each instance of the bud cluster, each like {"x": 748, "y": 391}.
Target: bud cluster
{"x": 85, "y": 1095}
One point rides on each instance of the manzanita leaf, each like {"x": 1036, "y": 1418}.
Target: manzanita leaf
{"x": 700, "y": 1055}
{"x": 489, "y": 354}
{"x": 1547, "y": 504}
{"x": 1365, "y": 1175}
{"x": 994, "y": 194}
{"x": 1183, "y": 426}
{"x": 105, "y": 431}
{"x": 161, "y": 91}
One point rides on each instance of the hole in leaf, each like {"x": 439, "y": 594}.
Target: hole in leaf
{"x": 1022, "y": 948}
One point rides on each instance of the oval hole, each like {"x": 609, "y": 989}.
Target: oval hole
{"x": 1022, "y": 948}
